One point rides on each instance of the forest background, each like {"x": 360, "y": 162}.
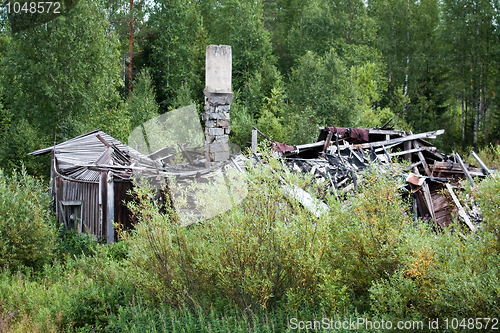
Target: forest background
{"x": 296, "y": 65}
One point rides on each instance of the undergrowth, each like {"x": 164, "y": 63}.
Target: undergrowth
{"x": 260, "y": 264}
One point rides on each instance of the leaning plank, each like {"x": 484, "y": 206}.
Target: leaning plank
{"x": 184, "y": 152}
{"x": 464, "y": 168}
{"x": 265, "y": 136}
{"x": 428, "y": 200}
{"x": 461, "y": 210}
{"x": 481, "y": 163}
{"x": 431, "y": 134}
{"x": 421, "y": 157}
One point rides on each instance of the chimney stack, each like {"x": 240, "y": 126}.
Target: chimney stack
{"x": 218, "y": 99}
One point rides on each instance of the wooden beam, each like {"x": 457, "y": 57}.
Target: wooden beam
{"x": 481, "y": 163}
{"x": 184, "y": 152}
{"x": 410, "y": 151}
{"x": 464, "y": 168}
{"x": 328, "y": 140}
{"x": 428, "y": 200}
{"x": 431, "y": 134}
{"x": 422, "y": 159}
{"x": 461, "y": 210}
{"x": 311, "y": 145}
{"x": 265, "y": 136}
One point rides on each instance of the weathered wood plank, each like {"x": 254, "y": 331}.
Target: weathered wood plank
{"x": 461, "y": 210}
{"x": 431, "y": 134}
{"x": 428, "y": 200}
{"x": 422, "y": 158}
{"x": 481, "y": 163}
{"x": 464, "y": 168}
{"x": 110, "y": 208}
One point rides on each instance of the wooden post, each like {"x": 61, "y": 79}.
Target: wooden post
{"x": 254, "y": 141}
{"x": 110, "y": 208}
{"x": 102, "y": 199}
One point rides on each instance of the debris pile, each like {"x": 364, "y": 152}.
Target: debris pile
{"x": 432, "y": 178}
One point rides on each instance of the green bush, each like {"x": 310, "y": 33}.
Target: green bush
{"x": 75, "y": 244}
{"x": 367, "y": 229}
{"x": 441, "y": 276}
{"x": 76, "y": 295}
{"x": 264, "y": 252}
{"x": 487, "y": 195}
{"x": 27, "y": 233}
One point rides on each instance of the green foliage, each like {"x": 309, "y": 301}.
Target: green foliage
{"x": 142, "y": 105}
{"x": 59, "y": 80}
{"x": 323, "y": 84}
{"x": 441, "y": 276}
{"x": 367, "y": 230}
{"x": 76, "y": 295}
{"x": 265, "y": 252}
{"x": 241, "y": 124}
{"x": 27, "y": 232}
{"x": 488, "y": 199}
{"x": 75, "y": 244}
{"x": 175, "y": 31}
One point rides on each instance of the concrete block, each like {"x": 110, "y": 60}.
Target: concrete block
{"x": 218, "y": 68}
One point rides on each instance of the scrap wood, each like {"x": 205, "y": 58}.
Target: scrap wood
{"x": 431, "y": 134}
{"x": 481, "y": 163}
{"x": 336, "y": 159}
{"x": 461, "y": 210}
{"x": 464, "y": 168}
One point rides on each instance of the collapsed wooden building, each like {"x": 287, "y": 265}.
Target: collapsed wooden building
{"x": 90, "y": 177}
{"x": 339, "y": 154}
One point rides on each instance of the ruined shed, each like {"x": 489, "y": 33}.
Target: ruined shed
{"x": 90, "y": 177}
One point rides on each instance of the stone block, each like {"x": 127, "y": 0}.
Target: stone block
{"x": 221, "y": 138}
{"x": 210, "y": 139}
{"x": 218, "y": 147}
{"x": 222, "y": 156}
{"x": 214, "y": 131}
{"x": 227, "y": 130}
{"x": 215, "y": 115}
{"x": 222, "y": 123}
{"x": 218, "y": 68}
{"x": 211, "y": 123}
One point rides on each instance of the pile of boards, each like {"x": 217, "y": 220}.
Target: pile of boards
{"x": 432, "y": 178}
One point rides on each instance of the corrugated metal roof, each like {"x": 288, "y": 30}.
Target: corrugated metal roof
{"x": 85, "y": 156}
